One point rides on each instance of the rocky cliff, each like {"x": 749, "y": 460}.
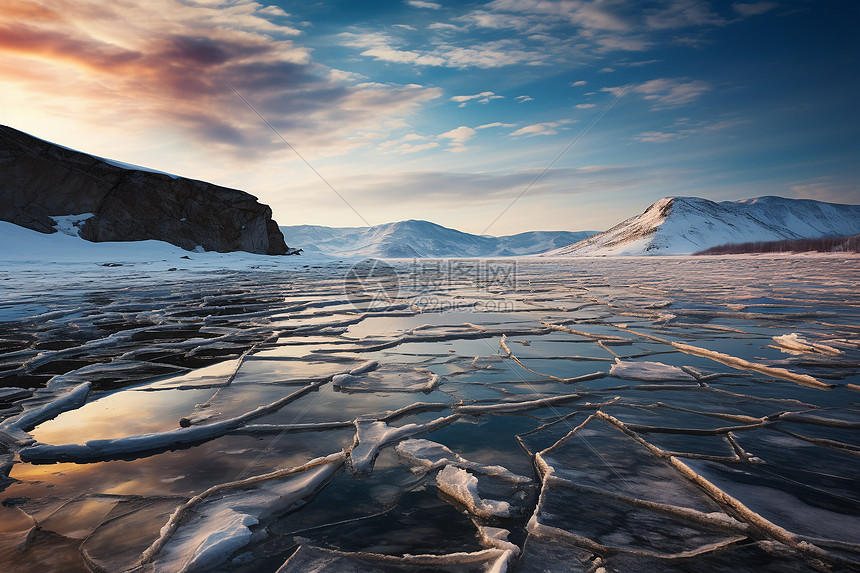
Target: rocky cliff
{"x": 41, "y": 180}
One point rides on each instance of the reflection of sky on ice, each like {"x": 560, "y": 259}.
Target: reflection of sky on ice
{"x": 795, "y": 470}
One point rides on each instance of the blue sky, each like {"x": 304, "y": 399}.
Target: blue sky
{"x": 449, "y": 111}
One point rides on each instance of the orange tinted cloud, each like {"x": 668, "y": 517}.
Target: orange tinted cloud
{"x": 166, "y": 64}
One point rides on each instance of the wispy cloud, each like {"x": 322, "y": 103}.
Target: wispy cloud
{"x": 546, "y": 128}
{"x": 666, "y": 92}
{"x": 486, "y": 55}
{"x": 483, "y": 97}
{"x": 496, "y": 124}
{"x": 422, "y": 4}
{"x": 460, "y": 134}
{"x": 826, "y": 189}
{"x": 753, "y": 9}
{"x": 684, "y": 128}
{"x": 585, "y": 105}
{"x": 446, "y": 27}
{"x": 523, "y": 98}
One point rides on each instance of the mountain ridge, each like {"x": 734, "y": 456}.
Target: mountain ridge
{"x": 414, "y": 238}
{"x": 684, "y": 225}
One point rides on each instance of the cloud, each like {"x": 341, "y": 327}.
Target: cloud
{"x": 547, "y": 128}
{"x": 405, "y": 27}
{"x": 273, "y": 11}
{"x": 826, "y": 189}
{"x": 494, "y": 54}
{"x": 578, "y": 83}
{"x": 460, "y": 134}
{"x": 594, "y": 27}
{"x": 446, "y": 27}
{"x": 145, "y": 66}
{"x": 666, "y": 92}
{"x": 495, "y": 124}
{"x": 523, "y": 98}
{"x": 422, "y": 4}
{"x": 672, "y": 92}
{"x": 585, "y": 105}
{"x": 753, "y": 9}
{"x": 483, "y": 97}
{"x": 683, "y": 128}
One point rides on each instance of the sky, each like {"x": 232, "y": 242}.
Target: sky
{"x": 490, "y": 117}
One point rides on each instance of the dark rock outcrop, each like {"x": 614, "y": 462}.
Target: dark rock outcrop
{"x": 39, "y": 180}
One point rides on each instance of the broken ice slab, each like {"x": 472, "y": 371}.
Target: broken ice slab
{"x": 45, "y": 551}
{"x": 78, "y": 518}
{"x": 761, "y": 556}
{"x": 517, "y": 404}
{"x": 121, "y": 414}
{"x": 605, "y": 523}
{"x": 548, "y": 433}
{"x": 207, "y": 529}
{"x": 371, "y": 435}
{"x": 45, "y": 404}
{"x": 330, "y": 561}
{"x": 462, "y": 487}
{"x": 840, "y": 438}
{"x": 561, "y": 369}
{"x": 120, "y": 447}
{"x": 328, "y": 404}
{"x": 16, "y": 528}
{"x": 755, "y": 365}
{"x": 265, "y": 371}
{"x": 844, "y": 418}
{"x": 780, "y": 390}
{"x": 834, "y": 471}
{"x": 541, "y": 554}
{"x": 666, "y": 419}
{"x": 388, "y": 378}
{"x": 648, "y": 371}
{"x": 489, "y": 441}
{"x": 796, "y": 343}
{"x": 391, "y": 511}
{"x": 425, "y": 455}
{"x": 182, "y": 473}
{"x": 682, "y": 444}
{"x": 783, "y": 504}
{"x": 11, "y": 394}
{"x": 599, "y": 455}
{"x": 127, "y": 530}
{"x": 206, "y": 377}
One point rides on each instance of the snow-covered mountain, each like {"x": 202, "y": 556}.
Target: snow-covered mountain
{"x": 408, "y": 239}
{"x": 684, "y": 225}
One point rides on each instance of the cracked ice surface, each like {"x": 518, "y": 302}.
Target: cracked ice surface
{"x": 630, "y": 415}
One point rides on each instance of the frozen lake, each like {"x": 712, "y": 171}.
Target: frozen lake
{"x": 641, "y": 414}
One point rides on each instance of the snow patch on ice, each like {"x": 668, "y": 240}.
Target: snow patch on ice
{"x": 463, "y": 487}
{"x": 793, "y": 342}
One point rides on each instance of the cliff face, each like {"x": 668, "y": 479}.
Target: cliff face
{"x": 39, "y": 180}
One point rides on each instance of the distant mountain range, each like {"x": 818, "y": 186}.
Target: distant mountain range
{"x": 684, "y": 225}
{"x": 416, "y": 239}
